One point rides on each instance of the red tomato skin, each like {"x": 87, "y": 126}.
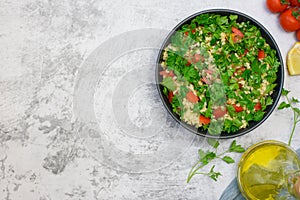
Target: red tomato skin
{"x": 204, "y": 120}
{"x": 288, "y": 22}
{"x": 257, "y": 106}
{"x": 170, "y": 97}
{"x": 205, "y": 80}
{"x": 186, "y": 33}
{"x": 191, "y": 97}
{"x": 276, "y": 6}
{"x": 196, "y": 58}
{"x": 236, "y": 35}
{"x": 261, "y": 54}
{"x": 239, "y": 71}
{"x": 237, "y": 32}
{"x": 238, "y": 108}
{"x": 294, "y": 3}
{"x": 298, "y": 35}
{"x": 166, "y": 74}
{"x": 219, "y": 112}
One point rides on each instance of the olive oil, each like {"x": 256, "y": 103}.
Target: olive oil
{"x": 264, "y": 169}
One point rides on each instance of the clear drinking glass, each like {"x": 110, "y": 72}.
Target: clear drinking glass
{"x": 269, "y": 170}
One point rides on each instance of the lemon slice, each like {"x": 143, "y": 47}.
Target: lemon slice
{"x": 293, "y": 59}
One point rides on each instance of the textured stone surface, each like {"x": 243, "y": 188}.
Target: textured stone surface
{"x": 74, "y": 122}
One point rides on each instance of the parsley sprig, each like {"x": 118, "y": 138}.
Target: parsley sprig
{"x": 290, "y": 103}
{"x": 205, "y": 157}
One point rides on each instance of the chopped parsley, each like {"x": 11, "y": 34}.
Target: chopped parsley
{"x": 221, "y": 73}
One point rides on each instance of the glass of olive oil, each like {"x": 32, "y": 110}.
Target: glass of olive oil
{"x": 269, "y": 170}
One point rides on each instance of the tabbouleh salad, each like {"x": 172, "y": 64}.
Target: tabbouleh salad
{"x": 216, "y": 69}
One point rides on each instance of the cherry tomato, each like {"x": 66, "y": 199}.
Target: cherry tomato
{"x": 261, "y": 54}
{"x": 294, "y": 3}
{"x": 276, "y": 6}
{"x": 191, "y": 97}
{"x": 289, "y": 19}
{"x": 219, "y": 112}
{"x": 186, "y": 33}
{"x": 204, "y": 120}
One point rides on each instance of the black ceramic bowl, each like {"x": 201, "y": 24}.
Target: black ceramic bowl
{"x": 275, "y": 96}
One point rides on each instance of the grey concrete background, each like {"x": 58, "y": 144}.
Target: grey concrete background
{"x": 67, "y": 133}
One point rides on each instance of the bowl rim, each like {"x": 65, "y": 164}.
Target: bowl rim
{"x": 279, "y": 72}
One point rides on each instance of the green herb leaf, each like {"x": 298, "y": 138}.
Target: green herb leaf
{"x": 214, "y": 175}
{"x": 284, "y": 92}
{"x": 258, "y": 115}
{"x": 233, "y": 17}
{"x": 294, "y": 100}
{"x": 296, "y": 110}
{"x": 283, "y": 105}
{"x": 213, "y": 142}
{"x": 169, "y": 83}
{"x": 201, "y": 154}
{"x": 208, "y": 157}
{"x": 236, "y": 148}
{"x": 269, "y": 101}
{"x": 228, "y": 159}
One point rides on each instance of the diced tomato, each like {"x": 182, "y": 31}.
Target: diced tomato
{"x": 239, "y": 71}
{"x": 188, "y": 64}
{"x": 246, "y": 51}
{"x": 165, "y": 73}
{"x": 236, "y": 35}
{"x": 242, "y": 69}
{"x": 238, "y": 108}
{"x": 191, "y": 97}
{"x": 204, "y": 120}
{"x": 170, "y": 96}
{"x": 208, "y": 71}
{"x": 257, "y": 106}
{"x": 205, "y": 80}
{"x": 171, "y": 73}
{"x": 261, "y": 54}
{"x": 186, "y": 33}
{"x": 196, "y": 58}
{"x": 219, "y": 112}
{"x": 235, "y": 38}
{"x": 194, "y": 31}
{"x": 237, "y": 32}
